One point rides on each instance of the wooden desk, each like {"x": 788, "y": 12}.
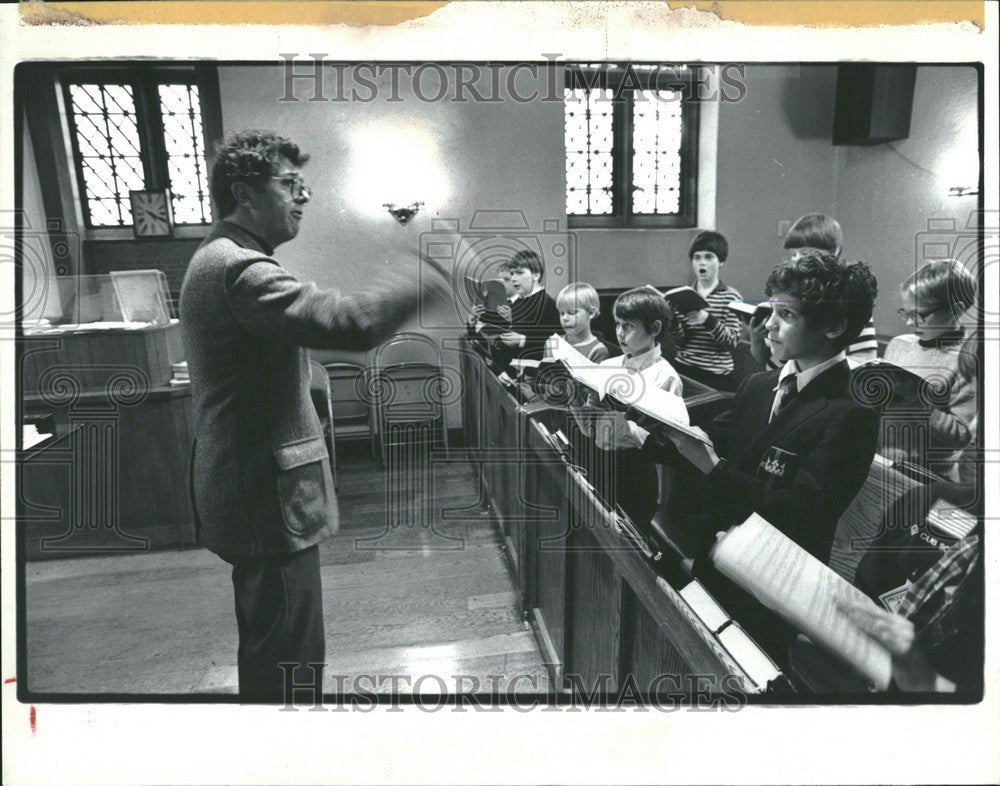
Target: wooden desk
{"x": 113, "y": 479}
{"x": 95, "y": 358}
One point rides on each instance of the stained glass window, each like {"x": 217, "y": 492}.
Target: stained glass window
{"x": 136, "y": 135}
{"x": 631, "y": 145}
{"x": 182, "y": 137}
{"x": 589, "y": 152}
{"x": 107, "y": 137}
{"x": 656, "y": 151}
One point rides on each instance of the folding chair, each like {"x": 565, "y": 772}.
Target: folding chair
{"x": 409, "y": 385}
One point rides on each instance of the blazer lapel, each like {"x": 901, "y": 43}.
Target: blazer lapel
{"x": 761, "y": 408}
{"x": 804, "y": 406}
{"x": 797, "y": 411}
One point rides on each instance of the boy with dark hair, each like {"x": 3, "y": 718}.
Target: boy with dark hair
{"x": 533, "y": 315}
{"x": 706, "y": 339}
{"x": 795, "y": 446}
{"x": 815, "y": 230}
{"x": 619, "y": 471}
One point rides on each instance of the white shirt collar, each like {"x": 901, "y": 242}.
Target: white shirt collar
{"x": 807, "y": 376}
{"x": 643, "y": 360}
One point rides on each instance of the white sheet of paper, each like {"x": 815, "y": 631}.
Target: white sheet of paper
{"x": 787, "y": 579}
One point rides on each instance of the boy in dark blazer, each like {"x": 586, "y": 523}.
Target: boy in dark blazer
{"x": 795, "y": 446}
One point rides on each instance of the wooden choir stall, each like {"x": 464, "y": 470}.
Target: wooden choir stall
{"x": 604, "y": 610}
{"x": 611, "y": 611}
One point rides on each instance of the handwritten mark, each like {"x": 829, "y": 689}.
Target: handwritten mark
{"x": 33, "y": 719}
{"x": 9, "y": 680}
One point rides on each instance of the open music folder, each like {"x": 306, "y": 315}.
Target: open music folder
{"x": 794, "y": 584}
{"x": 684, "y": 299}
{"x": 489, "y": 291}
{"x": 747, "y": 311}
{"x": 623, "y": 390}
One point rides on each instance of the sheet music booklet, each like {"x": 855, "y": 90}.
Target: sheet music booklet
{"x": 747, "y": 311}
{"x": 490, "y": 292}
{"x": 793, "y": 583}
{"x": 885, "y": 385}
{"x": 685, "y": 299}
{"x": 619, "y": 389}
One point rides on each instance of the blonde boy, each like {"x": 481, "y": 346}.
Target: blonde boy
{"x": 578, "y": 304}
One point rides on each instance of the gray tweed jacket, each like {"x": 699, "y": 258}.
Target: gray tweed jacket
{"x": 260, "y": 475}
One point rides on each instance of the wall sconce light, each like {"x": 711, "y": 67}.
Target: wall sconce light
{"x": 959, "y": 191}
{"x": 403, "y": 214}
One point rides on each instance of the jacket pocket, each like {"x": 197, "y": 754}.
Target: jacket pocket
{"x": 304, "y": 485}
{"x": 778, "y": 467}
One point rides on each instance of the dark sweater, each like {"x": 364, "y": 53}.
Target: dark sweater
{"x": 536, "y": 317}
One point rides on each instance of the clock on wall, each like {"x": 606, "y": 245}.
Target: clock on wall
{"x": 151, "y": 213}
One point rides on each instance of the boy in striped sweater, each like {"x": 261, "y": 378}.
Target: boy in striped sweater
{"x": 706, "y": 339}
{"x": 813, "y": 230}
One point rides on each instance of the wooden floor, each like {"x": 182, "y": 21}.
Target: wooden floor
{"x": 408, "y": 590}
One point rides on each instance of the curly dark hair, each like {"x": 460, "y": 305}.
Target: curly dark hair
{"x": 831, "y": 289}
{"x": 249, "y": 156}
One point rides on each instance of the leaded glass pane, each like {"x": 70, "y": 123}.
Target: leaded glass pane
{"x": 182, "y": 136}
{"x": 107, "y": 138}
{"x": 589, "y": 139}
{"x": 103, "y": 212}
{"x": 656, "y": 152}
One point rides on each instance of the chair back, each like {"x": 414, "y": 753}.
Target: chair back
{"x": 408, "y": 385}
{"x": 406, "y": 348}
{"x": 319, "y": 384}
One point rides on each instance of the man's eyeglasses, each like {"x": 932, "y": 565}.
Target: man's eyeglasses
{"x": 295, "y": 184}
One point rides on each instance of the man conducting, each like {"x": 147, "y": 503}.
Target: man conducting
{"x": 261, "y": 483}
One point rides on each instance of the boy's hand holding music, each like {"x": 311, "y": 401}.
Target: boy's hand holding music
{"x": 702, "y": 455}
{"x": 910, "y": 668}
{"x": 758, "y": 333}
{"x": 585, "y": 398}
{"x": 512, "y": 339}
{"x": 612, "y": 431}
{"x": 476, "y": 314}
{"x": 582, "y": 405}
{"x": 696, "y": 317}
{"x": 505, "y": 313}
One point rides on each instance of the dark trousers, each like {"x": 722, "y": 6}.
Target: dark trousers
{"x": 279, "y": 613}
